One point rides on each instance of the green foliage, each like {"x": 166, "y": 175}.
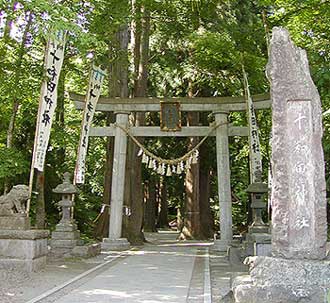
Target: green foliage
{"x": 12, "y": 163}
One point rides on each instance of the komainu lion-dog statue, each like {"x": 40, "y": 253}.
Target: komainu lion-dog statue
{"x": 13, "y": 203}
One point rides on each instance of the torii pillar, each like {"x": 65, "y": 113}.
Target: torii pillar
{"x": 224, "y": 189}
{"x": 115, "y": 240}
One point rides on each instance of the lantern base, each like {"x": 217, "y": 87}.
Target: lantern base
{"x": 65, "y": 237}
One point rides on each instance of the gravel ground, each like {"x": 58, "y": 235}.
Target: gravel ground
{"x": 11, "y": 285}
{"x": 20, "y": 287}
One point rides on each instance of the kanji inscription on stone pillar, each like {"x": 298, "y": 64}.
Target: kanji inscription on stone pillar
{"x": 299, "y": 228}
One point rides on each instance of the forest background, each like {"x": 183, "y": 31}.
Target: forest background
{"x": 159, "y": 48}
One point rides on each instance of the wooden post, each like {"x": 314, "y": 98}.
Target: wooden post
{"x": 226, "y": 233}
{"x": 118, "y": 177}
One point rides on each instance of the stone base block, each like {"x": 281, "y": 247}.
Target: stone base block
{"x": 259, "y": 229}
{"x": 61, "y": 243}
{"x": 23, "y": 249}
{"x": 87, "y": 251}
{"x": 59, "y": 252}
{"x": 66, "y": 227}
{"x": 259, "y": 237}
{"x": 28, "y": 265}
{"x": 276, "y": 280}
{"x": 258, "y": 244}
{"x": 221, "y": 245}
{"x": 263, "y": 249}
{"x": 65, "y": 235}
{"x": 24, "y": 234}
{"x": 14, "y": 222}
{"x": 115, "y": 244}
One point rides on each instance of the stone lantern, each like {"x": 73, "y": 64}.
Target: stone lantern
{"x": 257, "y": 192}
{"x": 66, "y": 235}
{"x": 258, "y": 239}
{"x": 67, "y": 190}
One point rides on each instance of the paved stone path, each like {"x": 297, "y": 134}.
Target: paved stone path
{"x": 165, "y": 271}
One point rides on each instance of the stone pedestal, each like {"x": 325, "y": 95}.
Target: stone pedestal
{"x": 257, "y": 244}
{"x": 277, "y": 280}
{"x": 23, "y": 250}
{"x": 15, "y": 222}
{"x": 117, "y": 244}
{"x": 65, "y": 237}
{"x": 221, "y": 245}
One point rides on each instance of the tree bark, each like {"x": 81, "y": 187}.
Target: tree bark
{"x": 134, "y": 168}
{"x": 135, "y": 41}
{"x": 192, "y": 229}
{"x": 163, "y": 215}
{"x": 102, "y": 226}
{"x": 150, "y": 207}
{"x": 206, "y": 219}
{"x": 135, "y": 234}
{"x": 140, "y": 89}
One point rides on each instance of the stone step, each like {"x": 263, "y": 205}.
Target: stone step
{"x": 64, "y": 235}
{"x": 64, "y": 243}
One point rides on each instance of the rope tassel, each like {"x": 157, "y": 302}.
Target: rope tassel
{"x": 154, "y": 165}
{"x": 195, "y": 157}
{"x": 160, "y": 169}
{"x": 179, "y": 169}
{"x": 145, "y": 159}
{"x": 177, "y": 165}
{"x": 188, "y": 164}
{"x": 169, "y": 171}
{"x": 151, "y": 164}
{"x": 163, "y": 169}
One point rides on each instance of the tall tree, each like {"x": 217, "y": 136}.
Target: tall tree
{"x": 135, "y": 234}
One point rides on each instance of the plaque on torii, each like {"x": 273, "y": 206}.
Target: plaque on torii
{"x": 170, "y": 116}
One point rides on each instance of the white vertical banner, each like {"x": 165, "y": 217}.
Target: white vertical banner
{"x": 255, "y": 154}
{"x": 93, "y": 93}
{"x": 48, "y": 98}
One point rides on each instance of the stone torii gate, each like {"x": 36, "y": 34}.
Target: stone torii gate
{"x": 220, "y": 107}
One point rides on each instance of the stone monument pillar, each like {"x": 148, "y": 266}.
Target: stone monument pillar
{"x": 21, "y": 248}
{"x": 224, "y": 190}
{"x": 296, "y": 271}
{"x": 115, "y": 240}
